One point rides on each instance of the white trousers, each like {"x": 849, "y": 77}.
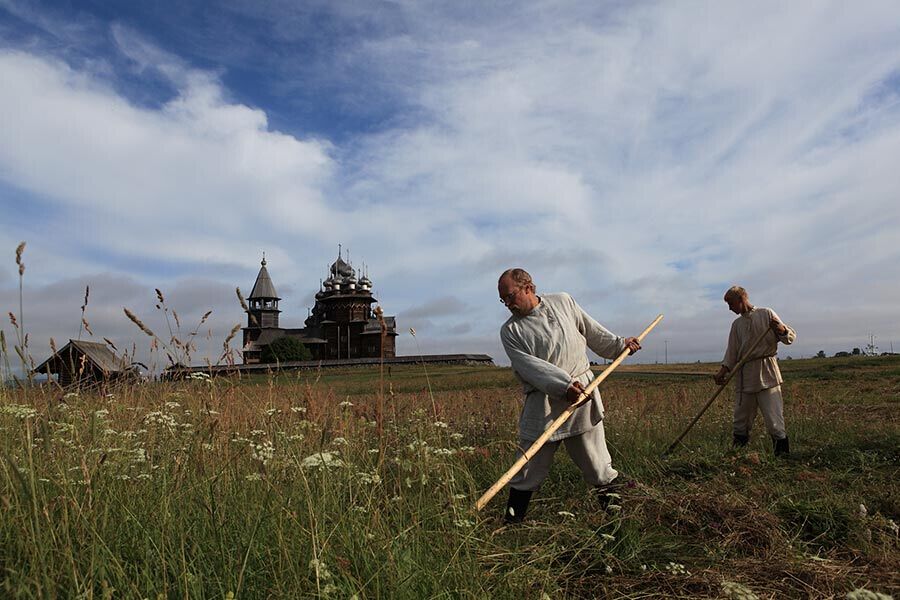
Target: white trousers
{"x": 769, "y": 403}
{"x": 588, "y": 451}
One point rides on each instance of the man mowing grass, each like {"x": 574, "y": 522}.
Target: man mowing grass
{"x": 759, "y": 380}
{"x": 546, "y": 339}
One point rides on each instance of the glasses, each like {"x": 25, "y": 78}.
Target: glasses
{"x": 510, "y": 296}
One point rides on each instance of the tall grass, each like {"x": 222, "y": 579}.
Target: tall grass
{"x": 203, "y": 488}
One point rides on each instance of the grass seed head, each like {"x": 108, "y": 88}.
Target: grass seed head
{"x": 19, "y": 250}
{"x": 138, "y": 322}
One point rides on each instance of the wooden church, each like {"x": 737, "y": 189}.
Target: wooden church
{"x": 341, "y": 325}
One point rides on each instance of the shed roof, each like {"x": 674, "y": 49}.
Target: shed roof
{"x": 98, "y": 354}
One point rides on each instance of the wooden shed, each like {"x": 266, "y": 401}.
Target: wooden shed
{"x": 80, "y": 362}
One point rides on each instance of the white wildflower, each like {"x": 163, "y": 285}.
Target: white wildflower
{"x": 565, "y": 513}
{"x": 735, "y": 591}
{"x": 456, "y": 436}
{"x": 345, "y": 404}
{"x": 676, "y": 569}
{"x": 322, "y": 460}
{"x": 160, "y": 418}
{"x": 298, "y": 409}
{"x": 864, "y": 594}
{"x": 863, "y": 511}
{"x": 18, "y": 411}
{"x": 272, "y": 411}
{"x": 443, "y": 451}
{"x": 171, "y": 405}
{"x": 100, "y": 414}
{"x": 440, "y": 424}
{"x": 263, "y": 452}
{"x": 373, "y": 450}
{"x": 339, "y": 441}
{"x": 368, "y": 477}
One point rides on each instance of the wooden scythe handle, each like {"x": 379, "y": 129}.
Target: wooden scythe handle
{"x": 556, "y": 424}
{"x": 736, "y": 368}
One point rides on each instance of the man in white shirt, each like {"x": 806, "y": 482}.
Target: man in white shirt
{"x": 546, "y": 339}
{"x": 758, "y": 384}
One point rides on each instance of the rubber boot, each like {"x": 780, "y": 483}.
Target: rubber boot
{"x": 517, "y": 505}
{"x": 739, "y": 440}
{"x": 782, "y": 447}
{"x": 602, "y": 495}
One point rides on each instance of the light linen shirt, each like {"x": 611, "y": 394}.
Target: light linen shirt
{"x": 759, "y": 373}
{"x": 548, "y": 351}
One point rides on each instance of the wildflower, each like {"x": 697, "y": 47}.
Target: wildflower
{"x": 263, "y": 452}
{"x": 339, "y": 441}
{"x": 100, "y": 414}
{"x": 373, "y": 450}
{"x": 676, "y": 569}
{"x": 440, "y": 424}
{"x": 272, "y": 411}
{"x": 172, "y": 405}
{"x": 19, "y": 411}
{"x": 443, "y": 451}
{"x": 322, "y": 460}
{"x": 608, "y": 569}
{"x": 298, "y": 409}
{"x": 160, "y": 418}
{"x": 368, "y": 477}
{"x": 735, "y": 591}
{"x": 345, "y": 404}
{"x": 862, "y": 511}
{"x": 565, "y": 513}
{"x": 864, "y": 594}
{"x": 456, "y": 436}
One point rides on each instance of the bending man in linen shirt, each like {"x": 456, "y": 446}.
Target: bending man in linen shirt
{"x": 758, "y": 384}
{"x": 546, "y": 339}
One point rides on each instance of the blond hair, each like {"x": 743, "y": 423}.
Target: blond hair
{"x": 735, "y": 292}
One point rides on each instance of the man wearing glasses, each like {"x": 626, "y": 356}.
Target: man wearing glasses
{"x": 546, "y": 339}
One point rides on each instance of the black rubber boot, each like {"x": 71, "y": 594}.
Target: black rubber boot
{"x": 605, "y": 495}
{"x": 782, "y": 447}
{"x": 739, "y": 440}
{"x": 517, "y": 505}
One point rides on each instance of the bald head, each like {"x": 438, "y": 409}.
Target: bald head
{"x": 517, "y": 291}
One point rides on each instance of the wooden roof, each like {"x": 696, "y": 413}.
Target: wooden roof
{"x": 98, "y": 354}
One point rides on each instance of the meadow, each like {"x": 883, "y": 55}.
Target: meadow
{"x": 359, "y": 483}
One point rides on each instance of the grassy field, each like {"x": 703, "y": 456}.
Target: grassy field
{"x": 350, "y": 484}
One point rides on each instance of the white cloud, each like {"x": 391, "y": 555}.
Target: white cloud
{"x": 642, "y": 157}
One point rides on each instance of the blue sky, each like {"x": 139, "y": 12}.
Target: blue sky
{"x": 643, "y": 156}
